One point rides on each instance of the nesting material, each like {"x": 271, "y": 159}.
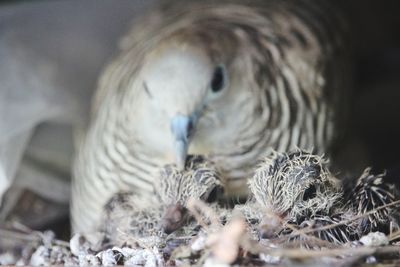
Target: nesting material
{"x": 374, "y": 239}
{"x": 183, "y": 226}
{"x": 225, "y": 245}
{"x": 324, "y": 228}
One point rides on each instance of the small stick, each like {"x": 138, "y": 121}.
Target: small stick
{"x": 330, "y": 226}
{"x": 302, "y": 233}
{"x": 192, "y": 204}
{"x": 303, "y": 253}
{"x": 33, "y": 236}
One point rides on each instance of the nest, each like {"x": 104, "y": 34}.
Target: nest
{"x": 298, "y": 213}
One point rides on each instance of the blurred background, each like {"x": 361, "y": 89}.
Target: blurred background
{"x": 51, "y": 53}
{"x": 376, "y": 109}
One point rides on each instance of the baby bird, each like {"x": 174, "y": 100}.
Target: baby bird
{"x": 130, "y": 218}
{"x": 299, "y": 189}
{"x": 289, "y": 189}
{"x": 371, "y": 192}
{"x": 199, "y": 180}
{"x": 362, "y": 196}
{"x": 295, "y": 186}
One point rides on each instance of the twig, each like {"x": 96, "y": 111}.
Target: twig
{"x": 394, "y": 236}
{"x": 300, "y": 232}
{"x": 194, "y": 204}
{"x": 5, "y": 233}
{"x": 134, "y": 239}
{"x": 345, "y": 222}
{"x": 304, "y": 253}
{"x": 33, "y": 236}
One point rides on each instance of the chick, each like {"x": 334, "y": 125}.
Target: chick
{"x": 298, "y": 190}
{"x": 295, "y": 186}
{"x": 131, "y": 218}
{"x": 368, "y": 193}
{"x": 199, "y": 180}
{"x": 362, "y": 196}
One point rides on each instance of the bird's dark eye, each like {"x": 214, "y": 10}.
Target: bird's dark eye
{"x": 218, "y": 79}
{"x": 310, "y": 193}
{"x": 215, "y": 193}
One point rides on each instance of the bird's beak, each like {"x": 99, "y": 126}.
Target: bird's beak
{"x": 182, "y": 128}
{"x": 174, "y": 217}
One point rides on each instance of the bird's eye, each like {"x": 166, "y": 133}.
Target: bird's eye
{"x": 215, "y": 194}
{"x": 218, "y": 79}
{"x": 310, "y": 193}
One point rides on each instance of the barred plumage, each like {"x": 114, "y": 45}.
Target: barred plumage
{"x": 279, "y": 70}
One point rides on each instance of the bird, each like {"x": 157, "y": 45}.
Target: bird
{"x": 231, "y": 80}
{"x": 369, "y": 192}
{"x": 295, "y": 185}
{"x": 296, "y": 190}
{"x": 368, "y": 206}
{"x": 128, "y": 218}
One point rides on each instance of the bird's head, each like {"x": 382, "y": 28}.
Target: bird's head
{"x": 198, "y": 181}
{"x": 295, "y": 185}
{"x": 182, "y": 81}
{"x": 188, "y": 75}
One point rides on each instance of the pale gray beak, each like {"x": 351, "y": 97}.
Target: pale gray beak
{"x": 182, "y": 128}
